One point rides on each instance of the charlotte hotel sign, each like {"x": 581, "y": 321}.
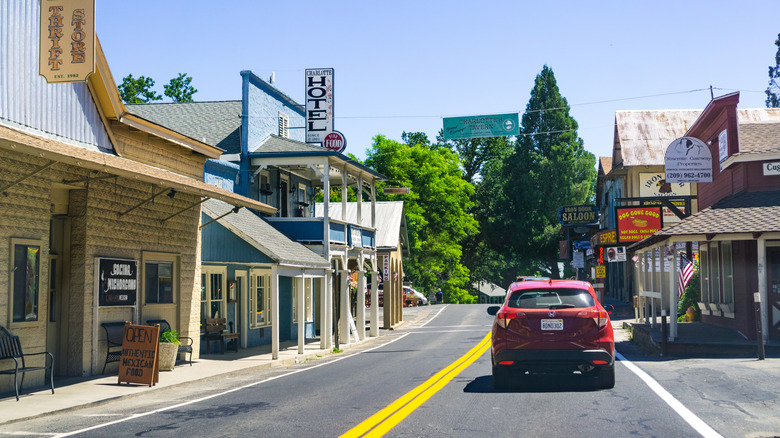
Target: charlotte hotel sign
{"x": 319, "y": 104}
{"x": 67, "y": 40}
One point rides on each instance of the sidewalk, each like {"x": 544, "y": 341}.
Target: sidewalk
{"x": 75, "y": 393}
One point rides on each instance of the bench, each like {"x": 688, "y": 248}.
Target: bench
{"x": 186, "y": 343}
{"x": 115, "y": 331}
{"x": 11, "y": 349}
{"x": 214, "y": 330}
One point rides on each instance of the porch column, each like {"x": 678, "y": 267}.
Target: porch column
{"x": 762, "y": 290}
{"x": 344, "y": 312}
{"x": 324, "y": 309}
{"x": 300, "y": 284}
{"x": 374, "y": 330}
{"x": 328, "y": 303}
{"x": 673, "y": 286}
{"x": 361, "y": 306}
{"x": 274, "y": 313}
{"x": 388, "y": 297}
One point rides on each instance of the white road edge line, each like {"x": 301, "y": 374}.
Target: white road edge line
{"x": 434, "y": 316}
{"x": 168, "y": 408}
{"x": 697, "y": 423}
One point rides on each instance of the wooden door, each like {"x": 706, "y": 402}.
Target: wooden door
{"x": 773, "y": 292}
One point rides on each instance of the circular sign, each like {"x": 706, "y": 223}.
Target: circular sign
{"x": 335, "y": 141}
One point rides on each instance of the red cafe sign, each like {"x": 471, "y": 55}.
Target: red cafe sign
{"x": 637, "y": 223}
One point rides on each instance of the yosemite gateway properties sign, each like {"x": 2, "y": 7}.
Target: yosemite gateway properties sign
{"x": 578, "y": 215}
{"x": 319, "y": 104}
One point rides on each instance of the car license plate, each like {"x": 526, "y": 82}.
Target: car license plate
{"x": 552, "y": 324}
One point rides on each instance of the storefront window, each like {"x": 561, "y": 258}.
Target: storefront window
{"x": 715, "y": 274}
{"x": 158, "y": 283}
{"x": 25, "y": 281}
{"x": 212, "y": 293}
{"x": 260, "y": 299}
{"x": 728, "y": 274}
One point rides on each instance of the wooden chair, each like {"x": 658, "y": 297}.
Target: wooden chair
{"x": 114, "y": 333}
{"x": 11, "y": 349}
{"x": 186, "y": 342}
{"x": 214, "y": 330}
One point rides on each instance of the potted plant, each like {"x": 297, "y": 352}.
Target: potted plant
{"x": 169, "y": 349}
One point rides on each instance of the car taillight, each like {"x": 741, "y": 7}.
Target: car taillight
{"x": 503, "y": 317}
{"x": 600, "y": 317}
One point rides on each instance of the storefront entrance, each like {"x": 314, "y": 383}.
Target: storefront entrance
{"x": 773, "y": 292}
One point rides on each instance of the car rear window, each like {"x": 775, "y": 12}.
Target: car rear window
{"x": 550, "y": 298}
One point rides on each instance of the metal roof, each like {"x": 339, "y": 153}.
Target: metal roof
{"x": 263, "y": 236}
{"x": 489, "y": 289}
{"x": 390, "y": 221}
{"x": 641, "y": 137}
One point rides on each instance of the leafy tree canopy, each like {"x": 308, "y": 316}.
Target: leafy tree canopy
{"x": 436, "y": 211}
{"x": 179, "y": 88}
{"x": 133, "y": 90}
{"x": 140, "y": 90}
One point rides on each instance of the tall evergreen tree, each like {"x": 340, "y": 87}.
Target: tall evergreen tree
{"x": 773, "y": 90}
{"x": 548, "y": 168}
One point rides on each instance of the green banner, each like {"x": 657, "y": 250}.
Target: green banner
{"x": 497, "y": 125}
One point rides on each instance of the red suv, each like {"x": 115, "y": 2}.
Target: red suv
{"x": 551, "y": 327}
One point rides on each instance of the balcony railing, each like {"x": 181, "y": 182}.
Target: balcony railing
{"x": 309, "y": 231}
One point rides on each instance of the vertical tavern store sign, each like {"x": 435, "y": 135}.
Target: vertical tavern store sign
{"x": 67, "y": 40}
{"x": 319, "y": 104}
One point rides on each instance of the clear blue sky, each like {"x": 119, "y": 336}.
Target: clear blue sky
{"x": 403, "y": 65}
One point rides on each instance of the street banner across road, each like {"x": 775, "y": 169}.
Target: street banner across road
{"x": 497, "y": 125}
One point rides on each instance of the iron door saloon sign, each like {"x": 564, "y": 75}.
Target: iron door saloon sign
{"x": 117, "y": 282}
{"x": 578, "y": 215}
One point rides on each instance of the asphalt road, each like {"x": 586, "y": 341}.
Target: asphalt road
{"x": 331, "y": 396}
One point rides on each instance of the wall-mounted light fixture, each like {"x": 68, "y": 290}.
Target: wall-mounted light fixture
{"x": 172, "y": 193}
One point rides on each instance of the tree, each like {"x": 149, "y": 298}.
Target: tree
{"x": 548, "y": 168}
{"x": 436, "y": 211}
{"x": 773, "y": 90}
{"x": 139, "y": 90}
{"x": 474, "y": 152}
{"x": 179, "y": 88}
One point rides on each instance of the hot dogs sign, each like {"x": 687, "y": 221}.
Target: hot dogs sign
{"x": 637, "y": 223}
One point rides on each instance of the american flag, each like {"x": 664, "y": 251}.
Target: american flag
{"x": 685, "y": 277}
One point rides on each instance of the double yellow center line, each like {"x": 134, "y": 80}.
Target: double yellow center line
{"x": 380, "y": 423}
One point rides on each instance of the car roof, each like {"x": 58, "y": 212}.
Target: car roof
{"x": 572, "y": 284}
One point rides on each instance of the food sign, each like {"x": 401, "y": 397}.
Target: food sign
{"x": 139, "y": 362}
{"x": 637, "y": 223}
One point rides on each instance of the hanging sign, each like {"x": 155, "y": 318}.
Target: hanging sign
{"x": 637, "y": 223}
{"x": 319, "y": 104}
{"x": 654, "y": 185}
{"x": 578, "y": 214}
{"x": 66, "y": 51}
{"x": 688, "y": 159}
{"x": 497, "y": 125}
{"x": 616, "y": 254}
{"x": 335, "y": 141}
{"x": 139, "y": 362}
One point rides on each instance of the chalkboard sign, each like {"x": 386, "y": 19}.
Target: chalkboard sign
{"x": 140, "y": 354}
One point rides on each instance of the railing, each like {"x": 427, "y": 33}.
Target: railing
{"x": 309, "y": 230}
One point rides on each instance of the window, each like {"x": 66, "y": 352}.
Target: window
{"x": 25, "y": 279}
{"x": 158, "y": 282}
{"x": 284, "y": 123}
{"x": 307, "y": 298}
{"x": 704, "y": 271}
{"x": 728, "y": 273}
{"x": 260, "y": 299}
{"x": 265, "y": 188}
{"x": 212, "y": 292}
{"x": 714, "y": 274}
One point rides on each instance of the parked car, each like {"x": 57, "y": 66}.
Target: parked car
{"x": 552, "y": 327}
{"x": 379, "y": 293}
{"x": 414, "y": 298}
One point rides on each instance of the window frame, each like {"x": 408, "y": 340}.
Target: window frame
{"x": 266, "y": 274}
{"x": 206, "y": 273}
{"x": 12, "y": 285}
{"x": 704, "y": 272}
{"x": 284, "y": 125}
{"x": 158, "y": 257}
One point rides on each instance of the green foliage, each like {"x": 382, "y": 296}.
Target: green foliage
{"x": 692, "y": 294}
{"x": 170, "y": 337}
{"x": 521, "y": 192}
{"x": 773, "y": 90}
{"x": 436, "y": 211}
{"x": 133, "y": 90}
{"x": 139, "y": 90}
{"x": 179, "y": 88}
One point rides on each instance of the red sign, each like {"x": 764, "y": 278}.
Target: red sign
{"x": 335, "y": 141}
{"x": 637, "y": 223}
